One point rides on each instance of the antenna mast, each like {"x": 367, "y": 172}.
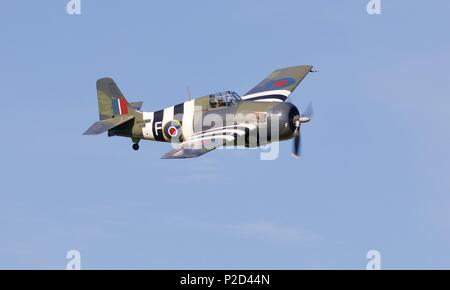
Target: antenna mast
{"x": 189, "y": 93}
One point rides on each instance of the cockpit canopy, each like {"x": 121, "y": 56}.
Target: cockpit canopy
{"x": 223, "y": 99}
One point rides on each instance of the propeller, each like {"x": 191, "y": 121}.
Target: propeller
{"x": 305, "y": 117}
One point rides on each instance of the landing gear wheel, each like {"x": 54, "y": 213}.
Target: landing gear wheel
{"x": 135, "y": 146}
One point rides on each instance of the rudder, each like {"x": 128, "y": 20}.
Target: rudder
{"x": 111, "y": 101}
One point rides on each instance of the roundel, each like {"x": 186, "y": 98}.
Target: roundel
{"x": 280, "y": 83}
{"x": 172, "y": 131}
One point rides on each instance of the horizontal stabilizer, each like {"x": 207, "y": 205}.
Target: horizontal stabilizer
{"x": 136, "y": 105}
{"x": 107, "y": 124}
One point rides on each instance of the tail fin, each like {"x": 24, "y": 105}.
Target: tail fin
{"x": 111, "y": 101}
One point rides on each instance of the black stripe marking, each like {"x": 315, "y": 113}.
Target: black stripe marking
{"x": 178, "y": 111}
{"x": 236, "y": 136}
{"x": 247, "y": 137}
{"x": 157, "y": 122}
{"x": 257, "y": 137}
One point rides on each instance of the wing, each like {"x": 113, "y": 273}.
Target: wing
{"x": 208, "y": 140}
{"x": 279, "y": 84}
{"x": 190, "y": 150}
{"x": 107, "y": 124}
{"x": 185, "y": 152}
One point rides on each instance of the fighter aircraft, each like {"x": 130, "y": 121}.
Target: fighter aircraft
{"x": 195, "y": 127}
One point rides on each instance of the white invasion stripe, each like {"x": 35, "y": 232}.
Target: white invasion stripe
{"x": 167, "y": 115}
{"x": 237, "y": 131}
{"x": 269, "y": 100}
{"x": 285, "y": 93}
{"x": 147, "y": 130}
{"x": 188, "y": 119}
{"x": 249, "y": 126}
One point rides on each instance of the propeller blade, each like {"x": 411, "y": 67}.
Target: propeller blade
{"x": 309, "y": 111}
{"x": 297, "y": 143}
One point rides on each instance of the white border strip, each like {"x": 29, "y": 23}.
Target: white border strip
{"x": 285, "y": 93}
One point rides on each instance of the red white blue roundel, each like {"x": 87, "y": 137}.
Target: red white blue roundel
{"x": 172, "y": 131}
{"x": 280, "y": 83}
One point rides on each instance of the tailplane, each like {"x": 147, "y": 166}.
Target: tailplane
{"x": 107, "y": 124}
{"x": 113, "y": 108}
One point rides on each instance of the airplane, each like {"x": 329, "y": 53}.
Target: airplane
{"x": 198, "y": 126}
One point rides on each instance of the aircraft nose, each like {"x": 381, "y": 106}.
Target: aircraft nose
{"x": 285, "y": 112}
{"x": 293, "y": 112}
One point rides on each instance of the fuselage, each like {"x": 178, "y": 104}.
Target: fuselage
{"x": 198, "y": 126}
{"x": 223, "y": 115}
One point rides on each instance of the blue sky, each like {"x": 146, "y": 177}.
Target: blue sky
{"x": 374, "y": 174}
